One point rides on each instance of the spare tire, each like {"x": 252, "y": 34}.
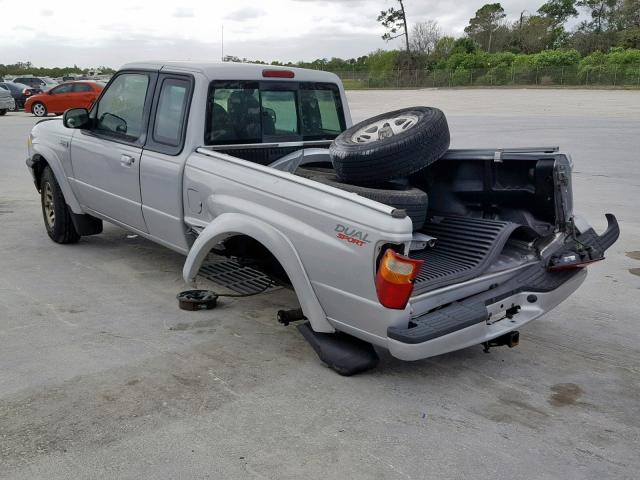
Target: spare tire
{"x": 391, "y": 145}
{"x": 412, "y": 200}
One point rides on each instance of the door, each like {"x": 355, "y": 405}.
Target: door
{"x": 106, "y": 157}
{"x": 82, "y": 96}
{"x": 58, "y": 97}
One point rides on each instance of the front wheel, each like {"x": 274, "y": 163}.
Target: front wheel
{"x": 56, "y": 213}
{"x": 3, "y": 112}
{"x": 38, "y": 109}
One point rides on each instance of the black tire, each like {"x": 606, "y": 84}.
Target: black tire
{"x": 310, "y": 172}
{"x": 3, "y": 112}
{"x": 407, "y": 198}
{"x": 395, "y": 156}
{"x": 41, "y": 113}
{"x": 59, "y": 226}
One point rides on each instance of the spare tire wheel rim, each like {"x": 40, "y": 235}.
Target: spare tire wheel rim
{"x": 49, "y": 208}
{"x": 385, "y": 128}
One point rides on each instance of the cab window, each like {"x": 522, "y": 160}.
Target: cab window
{"x": 262, "y": 112}
{"x": 172, "y": 105}
{"x": 121, "y": 108}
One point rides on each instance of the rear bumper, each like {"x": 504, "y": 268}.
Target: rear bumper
{"x": 482, "y": 317}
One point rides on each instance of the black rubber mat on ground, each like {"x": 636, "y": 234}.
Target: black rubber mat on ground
{"x": 465, "y": 247}
{"x": 236, "y": 277}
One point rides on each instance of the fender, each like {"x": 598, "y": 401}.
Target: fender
{"x": 51, "y": 158}
{"x": 229, "y": 224}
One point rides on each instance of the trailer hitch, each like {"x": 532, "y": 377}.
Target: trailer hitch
{"x": 510, "y": 339}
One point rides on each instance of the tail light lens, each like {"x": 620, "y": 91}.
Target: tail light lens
{"x": 395, "y": 277}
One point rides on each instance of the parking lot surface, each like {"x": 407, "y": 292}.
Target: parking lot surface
{"x": 101, "y": 376}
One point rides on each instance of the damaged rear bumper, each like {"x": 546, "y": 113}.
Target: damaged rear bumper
{"x": 506, "y": 307}
{"x": 485, "y": 316}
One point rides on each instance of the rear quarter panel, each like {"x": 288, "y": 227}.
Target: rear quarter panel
{"x": 312, "y": 217}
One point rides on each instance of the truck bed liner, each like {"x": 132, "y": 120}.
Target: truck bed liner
{"x": 465, "y": 247}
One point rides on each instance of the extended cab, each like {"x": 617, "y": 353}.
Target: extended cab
{"x": 217, "y": 158}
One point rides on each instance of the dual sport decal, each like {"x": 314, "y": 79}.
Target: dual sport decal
{"x": 351, "y": 235}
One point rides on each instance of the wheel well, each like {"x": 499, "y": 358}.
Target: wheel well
{"x": 253, "y": 253}
{"x": 39, "y": 164}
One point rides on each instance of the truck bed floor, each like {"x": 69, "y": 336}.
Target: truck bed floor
{"x": 465, "y": 247}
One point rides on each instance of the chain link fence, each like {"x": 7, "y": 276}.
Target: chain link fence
{"x": 613, "y": 76}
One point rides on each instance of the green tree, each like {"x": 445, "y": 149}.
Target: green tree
{"x": 395, "y": 20}
{"x": 444, "y": 47}
{"x": 464, "y": 45}
{"x": 601, "y": 12}
{"x": 536, "y": 33}
{"x": 559, "y": 10}
{"x": 483, "y": 25}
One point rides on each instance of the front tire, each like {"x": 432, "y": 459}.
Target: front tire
{"x": 3, "y": 112}
{"x": 39, "y": 109}
{"x": 55, "y": 212}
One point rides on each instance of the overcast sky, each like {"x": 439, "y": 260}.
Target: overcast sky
{"x": 113, "y": 32}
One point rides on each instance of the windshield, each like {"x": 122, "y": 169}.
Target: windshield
{"x": 241, "y": 112}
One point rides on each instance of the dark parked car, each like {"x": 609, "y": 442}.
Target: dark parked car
{"x": 19, "y": 92}
{"x": 43, "y": 83}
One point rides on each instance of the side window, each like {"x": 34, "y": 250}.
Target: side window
{"x": 81, "y": 88}
{"x": 121, "y": 108}
{"x": 319, "y": 110}
{"x": 279, "y": 112}
{"x": 169, "y": 119}
{"x": 65, "y": 88}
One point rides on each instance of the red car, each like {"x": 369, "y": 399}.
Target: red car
{"x": 80, "y": 94}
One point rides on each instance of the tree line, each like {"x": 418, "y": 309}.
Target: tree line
{"x": 27, "y": 68}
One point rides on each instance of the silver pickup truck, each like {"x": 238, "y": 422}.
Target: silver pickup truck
{"x": 387, "y": 237}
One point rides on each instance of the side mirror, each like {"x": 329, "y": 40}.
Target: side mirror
{"x": 76, "y": 118}
{"x": 113, "y": 123}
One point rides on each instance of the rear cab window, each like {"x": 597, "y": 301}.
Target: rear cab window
{"x": 253, "y": 112}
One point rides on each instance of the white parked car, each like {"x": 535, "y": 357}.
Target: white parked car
{"x": 7, "y": 102}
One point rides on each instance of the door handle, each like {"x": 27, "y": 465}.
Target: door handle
{"x": 127, "y": 160}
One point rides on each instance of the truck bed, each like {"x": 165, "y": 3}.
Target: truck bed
{"x": 465, "y": 248}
